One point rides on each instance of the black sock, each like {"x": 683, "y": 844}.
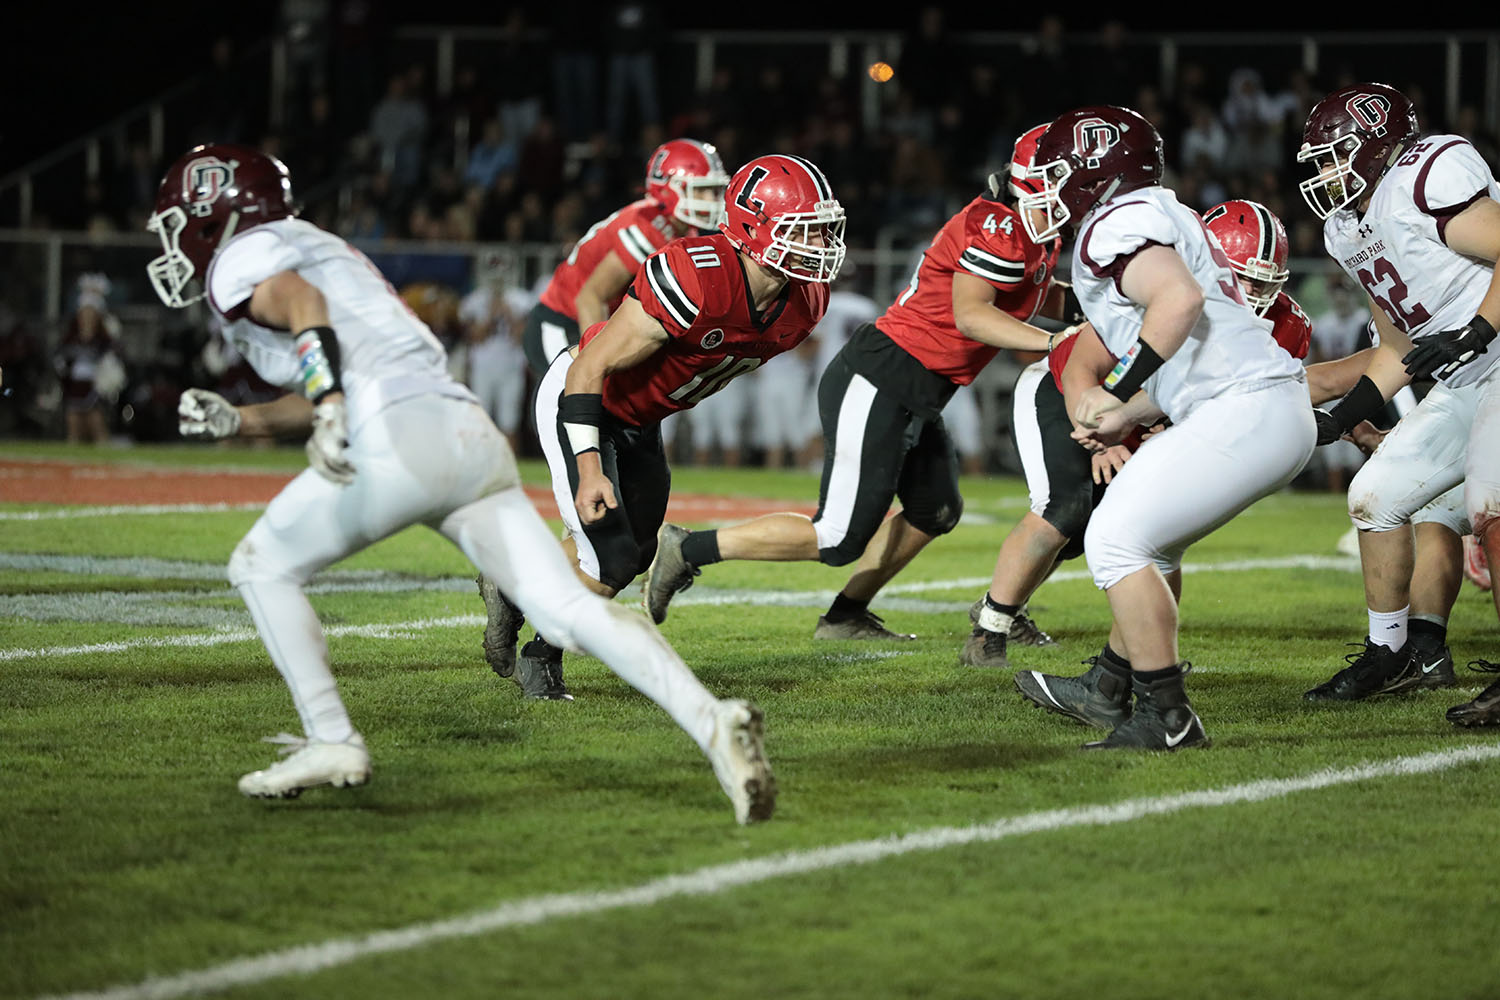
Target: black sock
{"x": 1165, "y": 673}
{"x": 1004, "y": 609}
{"x": 844, "y": 608}
{"x": 1427, "y": 633}
{"x": 1113, "y": 662}
{"x": 701, "y": 548}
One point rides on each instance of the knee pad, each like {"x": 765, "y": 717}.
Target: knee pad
{"x": 843, "y": 553}
{"x": 253, "y": 561}
{"x": 1368, "y": 508}
{"x": 1070, "y": 516}
{"x": 1073, "y": 549}
{"x": 938, "y": 520}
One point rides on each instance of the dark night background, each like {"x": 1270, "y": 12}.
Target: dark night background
{"x": 67, "y": 69}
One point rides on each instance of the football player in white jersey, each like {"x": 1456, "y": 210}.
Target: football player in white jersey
{"x": 395, "y": 442}
{"x": 1163, "y": 299}
{"x": 1415, "y": 220}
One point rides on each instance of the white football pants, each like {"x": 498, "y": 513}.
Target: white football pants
{"x": 439, "y": 462}
{"x": 1195, "y": 476}
{"x": 1449, "y": 438}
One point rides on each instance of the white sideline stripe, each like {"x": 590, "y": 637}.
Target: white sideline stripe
{"x": 706, "y": 596}
{"x": 160, "y": 508}
{"x": 715, "y": 879}
{"x": 1347, "y": 563}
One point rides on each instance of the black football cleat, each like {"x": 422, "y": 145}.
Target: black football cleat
{"x": 539, "y": 671}
{"x": 1100, "y": 697}
{"x": 1163, "y": 719}
{"x": 1484, "y": 710}
{"x": 1374, "y": 670}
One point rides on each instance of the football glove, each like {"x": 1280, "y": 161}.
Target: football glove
{"x": 1329, "y": 429}
{"x": 206, "y": 416}
{"x": 1442, "y": 354}
{"x": 330, "y": 437}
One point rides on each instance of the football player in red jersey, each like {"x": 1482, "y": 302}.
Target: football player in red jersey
{"x": 684, "y": 192}
{"x": 974, "y": 293}
{"x": 1065, "y": 481}
{"x": 703, "y": 311}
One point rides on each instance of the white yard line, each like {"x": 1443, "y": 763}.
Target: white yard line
{"x": 716, "y": 879}
{"x": 126, "y": 509}
{"x": 891, "y": 600}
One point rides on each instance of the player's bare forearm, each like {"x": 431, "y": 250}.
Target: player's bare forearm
{"x": 288, "y": 416}
{"x": 605, "y": 283}
{"x": 976, "y": 317}
{"x": 1329, "y": 380}
{"x": 1086, "y": 367}
{"x": 630, "y": 337}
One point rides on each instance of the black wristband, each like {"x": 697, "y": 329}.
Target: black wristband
{"x": 1072, "y": 308}
{"x": 581, "y": 408}
{"x": 1132, "y": 370}
{"x": 1363, "y": 402}
{"x": 1484, "y": 328}
{"x": 318, "y": 362}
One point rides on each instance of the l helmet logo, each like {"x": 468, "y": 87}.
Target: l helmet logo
{"x": 1370, "y": 110}
{"x": 746, "y": 198}
{"x": 1092, "y": 138}
{"x": 203, "y": 180}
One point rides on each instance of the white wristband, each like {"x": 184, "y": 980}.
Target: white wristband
{"x": 582, "y": 437}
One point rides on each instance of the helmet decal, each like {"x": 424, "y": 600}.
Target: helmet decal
{"x": 1092, "y": 138}
{"x": 203, "y": 180}
{"x": 1371, "y": 110}
{"x": 746, "y": 198}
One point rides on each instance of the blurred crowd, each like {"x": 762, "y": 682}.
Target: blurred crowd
{"x": 546, "y": 129}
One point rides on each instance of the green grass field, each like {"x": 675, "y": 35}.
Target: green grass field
{"x": 127, "y": 857}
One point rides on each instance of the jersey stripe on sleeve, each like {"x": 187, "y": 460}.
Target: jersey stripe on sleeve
{"x": 669, "y": 293}
{"x": 991, "y": 268}
{"x": 635, "y": 243}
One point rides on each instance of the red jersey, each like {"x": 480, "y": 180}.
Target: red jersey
{"x": 1290, "y": 326}
{"x": 632, "y": 234}
{"x": 985, "y": 240}
{"x": 697, "y": 289}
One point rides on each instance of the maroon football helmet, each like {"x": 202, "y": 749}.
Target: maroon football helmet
{"x": 1255, "y": 242}
{"x": 1086, "y": 157}
{"x": 1352, "y": 137}
{"x": 207, "y": 196}
{"x": 780, "y": 210}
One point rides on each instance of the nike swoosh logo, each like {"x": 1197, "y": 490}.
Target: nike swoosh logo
{"x": 1428, "y": 668}
{"x": 1172, "y": 741}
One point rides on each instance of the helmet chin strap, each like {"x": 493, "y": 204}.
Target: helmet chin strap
{"x": 229, "y": 228}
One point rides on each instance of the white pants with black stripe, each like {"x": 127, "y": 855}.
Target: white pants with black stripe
{"x": 876, "y": 451}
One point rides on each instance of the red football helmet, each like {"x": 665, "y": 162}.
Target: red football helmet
{"x": 1086, "y": 157}
{"x": 1021, "y": 157}
{"x": 1255, "y": 242}
{"x": 208, "y": 195}
{"x": 687, "y": 179}
{"x": 781, "y": 211}
{"x": 1352, "y": 137}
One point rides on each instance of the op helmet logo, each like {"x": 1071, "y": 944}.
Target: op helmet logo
{"x": 1370, "y": 110}
{"x": 1092, "y": 138}
{"x": 203, "y": 180}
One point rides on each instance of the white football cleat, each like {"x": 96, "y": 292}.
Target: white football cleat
{"x": 738, "y": 755}
{"x": 309, "y": 763}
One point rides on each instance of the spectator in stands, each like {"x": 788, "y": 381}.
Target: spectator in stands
{"x": 493, "y": 316}
{"x": 575, "y": 67}
{"x": 88, "y": 364}
{"x": 542, "y": 159}
{"x": 1205, "y": 144}
{"x": 521, "y": 60}
{"x": 1253, "y": 119}
{"x": 493, "y": 154}
{"x": 399, "y": 126}
{"x": 636, "y": 32}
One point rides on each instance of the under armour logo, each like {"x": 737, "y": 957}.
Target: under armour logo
{"x": 1365, "y": 232}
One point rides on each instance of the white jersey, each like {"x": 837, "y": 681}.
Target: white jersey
{"x": 386, "y": 353}
{"x": 1228, "y": 348}
{"x": 846, "y": 310}
{"x": 1397, "y": 253}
